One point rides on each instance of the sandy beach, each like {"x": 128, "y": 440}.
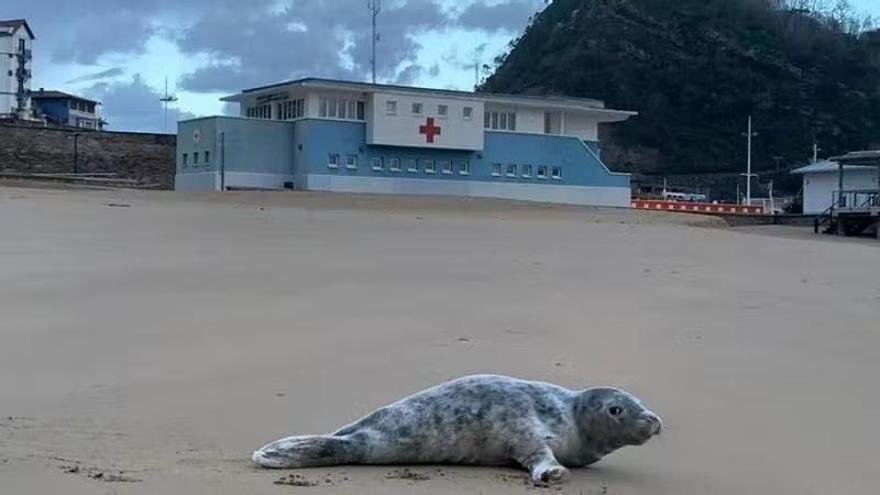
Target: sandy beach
{"x": 149, "y": 341}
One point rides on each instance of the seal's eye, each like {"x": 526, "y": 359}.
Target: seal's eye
{"x": 615, "y": 410}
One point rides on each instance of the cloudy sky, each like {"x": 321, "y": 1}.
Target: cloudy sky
{"x": 121, "y": 51}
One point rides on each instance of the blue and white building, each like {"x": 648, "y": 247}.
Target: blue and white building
{"x": 326, "y": 135}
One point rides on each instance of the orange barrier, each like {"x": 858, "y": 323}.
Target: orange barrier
{"x": 687, "y": 207}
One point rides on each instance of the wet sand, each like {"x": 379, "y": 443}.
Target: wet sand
{"x": 150, "y": 341}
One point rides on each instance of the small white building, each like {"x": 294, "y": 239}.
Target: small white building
{"x": 16, "y": 39}
{"x": 822, "y": 180}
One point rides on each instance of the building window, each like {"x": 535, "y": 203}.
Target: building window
{"x": 446, "y": 167}
{"x": 333, "y": 108}
{"x": 195, "y": 158}
{"x": 443, "y": 111}
{"x": 352, "y": 109}
{"x": 557, "y": 173}
{"x": 260, "y": 112}
{"x": 542, "y": 172}
{"x": 394, "y": 164}
{"x": 351, "y": 162}
{"x": 511, "y": 170}
{"x": 430, "y": 167}
{"x": 412, "y": 165}
{"x": 376, "y": 163}
{"x": 207, "y": 157}
{"x": 333, "y": 160}
{"x": 464, "y": 168}
{"x": 496, "y": 170}
{"x": 468, "y": 113}
{"x": 527, "y": 171}
{"x": 323, "y": 106}
{"x": 503, "y": 121}
{"x": 417, "y": 108}
{"x": 391, "y": 108}
{"x": 361, "y": 110}
{"x": 290, "y": 110}
{"x": 185, "y": 159}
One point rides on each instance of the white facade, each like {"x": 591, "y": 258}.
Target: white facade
{"x": 400, "y": 119}
{"x": 427, "y": 118}
{"x": 14, "y": 39}
{"x": 821, "y": 184}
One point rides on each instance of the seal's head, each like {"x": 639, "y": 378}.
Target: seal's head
{"x": 615, "y": 418}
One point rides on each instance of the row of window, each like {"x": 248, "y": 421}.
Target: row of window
{"x": 82, "y": 106}
{"x": 513, "y": 170}
{"x": 260, "y": 111}
{"x": 289, "y": 110}
{"x": 394, "y": 164}
{"x": 195, "y": 159}
{"x": 505, "y": 121}
{"x": 341, "y": 108}
{"x": 444, "y": 167}
{"x": 418, "y": 109}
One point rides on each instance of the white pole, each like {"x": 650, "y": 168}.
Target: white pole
{"x": 749, "y": 172}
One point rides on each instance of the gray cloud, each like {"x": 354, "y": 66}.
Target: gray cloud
{"x": 247, "y": 42}
{"x": 134, "y": 106}
{"x": 511, "y": 15}
{"x": 98, "y": 76}
{"x": 311, "y": 37}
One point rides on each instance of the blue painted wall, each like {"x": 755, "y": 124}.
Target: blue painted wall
{"x": 255, "y": 146}
{"x": 579, "y": 160}
{"x": 56, "y": 109}
{"x": 304, "y": 147}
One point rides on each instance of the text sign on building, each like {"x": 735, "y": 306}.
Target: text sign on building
{"x": 416, "y": 121}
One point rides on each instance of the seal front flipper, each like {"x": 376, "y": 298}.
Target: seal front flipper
{"x": 543, "y": 466}
{"x": 305, "y": 452}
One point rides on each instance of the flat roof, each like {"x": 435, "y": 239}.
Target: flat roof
{"x": 827, "y": 167}
{"x": 55, "y": 95}
{"x": 587, "y": 104}
{"x": 867, "y": 158}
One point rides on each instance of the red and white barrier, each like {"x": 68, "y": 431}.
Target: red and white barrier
{"x": 687, "y": 207}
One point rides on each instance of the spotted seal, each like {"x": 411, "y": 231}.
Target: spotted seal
{"x": 481, "y": 420}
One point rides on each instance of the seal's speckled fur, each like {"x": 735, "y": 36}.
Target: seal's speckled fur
{"x": 485, "y": 420}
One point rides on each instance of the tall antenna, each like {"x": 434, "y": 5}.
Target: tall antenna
{"x": 375, "y": 8}
{"x": 168, "y": 98}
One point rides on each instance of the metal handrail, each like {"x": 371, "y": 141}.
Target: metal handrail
{"x": 864, "y": 198}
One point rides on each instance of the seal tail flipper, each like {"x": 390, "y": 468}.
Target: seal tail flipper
{"x": 304, "y": 452}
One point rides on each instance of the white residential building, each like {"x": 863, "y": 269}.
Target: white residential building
{"x": 16, "y": 41}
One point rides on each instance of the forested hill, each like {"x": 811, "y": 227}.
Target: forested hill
{"x": 695, "y": 70}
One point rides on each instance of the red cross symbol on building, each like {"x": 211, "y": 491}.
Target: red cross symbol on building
{"x": 430, "y": 130}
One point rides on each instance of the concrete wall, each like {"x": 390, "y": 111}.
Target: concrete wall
{"x": 582, "y": 126}
{"x": 268, "y": 154}
{"x": 819, "y": 188}
{"x": 147, "y": 158}
{"x": 254, "y": 153}
{"x": 585, "y": 180}
{"x": 403, "y": 129}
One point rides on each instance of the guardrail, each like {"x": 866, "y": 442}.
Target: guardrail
{"x": 855, "y": 199}
{"x": 688, "y": 207}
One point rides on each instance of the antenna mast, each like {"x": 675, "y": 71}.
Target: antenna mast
{"x": 375, "y": 8}
{"x": 168, "y": 98}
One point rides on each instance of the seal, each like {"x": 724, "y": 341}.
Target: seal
{"x": 481, "y": 420}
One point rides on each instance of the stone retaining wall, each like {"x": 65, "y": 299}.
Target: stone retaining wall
{"x": 146, "y": 158}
